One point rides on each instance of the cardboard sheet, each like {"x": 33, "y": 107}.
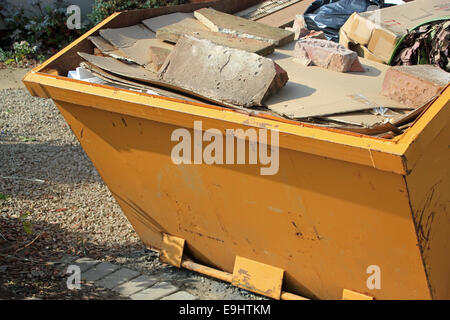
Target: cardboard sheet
{"x": 125, "y": 83}
{"x": 381, "y": 29}
{"x": 314, "y": 91}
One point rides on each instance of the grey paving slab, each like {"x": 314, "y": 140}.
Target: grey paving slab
{"x": 67, "y": 259}
{"x": 180, "y": 295}
{"x": 86, "y": 263}
{"x": 99, "y": 271}
{"x": 116, "y": 278}
{"x": 155, "y": 292}
{"x": 135, "y": 285}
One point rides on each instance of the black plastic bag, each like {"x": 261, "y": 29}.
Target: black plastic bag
{"x": 330, "y": 15}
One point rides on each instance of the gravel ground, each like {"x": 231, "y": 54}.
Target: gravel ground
{"x": 53, "y": 203}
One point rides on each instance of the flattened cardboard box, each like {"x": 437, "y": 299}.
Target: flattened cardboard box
{"x": 381, "y": 29}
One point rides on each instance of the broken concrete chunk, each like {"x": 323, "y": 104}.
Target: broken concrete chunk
{"x": 226, "y": 23}
{"x": 299, "y": 22}
{"x": 414, "y": 85}
{"x": 158, "y": 56}
{"x": 299, "y": 33}
{"x": 196, "y": 29}
{"x": 224, "y": 74}
{"x": 327, "y": 54}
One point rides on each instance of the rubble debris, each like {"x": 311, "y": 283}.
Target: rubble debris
{"x": 284, "y": 17}
{"x": 220, "y": 73}
{"x": 380, "y": 30}
{"x": 132, "y": 85}
{"x": 330, "y": 15}
{"x": 298, "y": 27}
{"x": 361, "y": 50}
{"x": 192, "y": 27}
{"x": 265, "y": 8}
{"x": 133, "y": 41}
{"x": 427, "y": 44}
{"x": 222, "y": 22}
{"x": 157, "y": 57}
{"x": 159, "y": 22}
{"x": 108, "y": 49}
{"x": 414, "y": 85}
{"x": 314, "y": 35}
{"x": 327, "y": 54}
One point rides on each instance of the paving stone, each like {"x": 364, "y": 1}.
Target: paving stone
{"x": 180, "y": 295}
{"x": 327, "y": 54}
{"x": 226, "y": 23}
{"x": 67, "y": 259}
{"x": 192, "y": 27}
{"x": 135, "y": 285}
{"x": 219, "y": 73}
{"x": 86, "y": 263}
{"x": 157, "y": 56}
{"x": 99, "y": 271}
{"x": 414, "y": 85}
{"x": 116, "y": 278}
{"x": 158, "y": 291}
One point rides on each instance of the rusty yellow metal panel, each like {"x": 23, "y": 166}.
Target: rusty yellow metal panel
{"x": 352, "y": 295}
{"x": 258, "y": 277}
{"x": 324, "y": 221}
{"x": 340, "y": 205}
{"x": 429, "y": 191}
{"x": 172, "y": 250}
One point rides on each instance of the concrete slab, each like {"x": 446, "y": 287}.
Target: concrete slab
{"x": 219, "y": 73}
{"x": 86, "y": 263}
{"x": 156, "y": 292}
{"x": 135, "y": 285}
{"x": 99, "y": 271}
{"x": 180, "y": 295}
{"x": 226, "y": 23}
{"x": 116, "y": 278}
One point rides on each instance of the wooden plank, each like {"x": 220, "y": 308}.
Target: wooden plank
{"x": 192, "y": 27}
{"x": 226, "y": 23}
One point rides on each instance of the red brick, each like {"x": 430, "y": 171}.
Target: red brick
{"x": 327, "y": 54}
{"x": 414, "y": 85}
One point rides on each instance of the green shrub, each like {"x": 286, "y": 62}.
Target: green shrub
{"x": 104, "y": 8}
{"x": 46, "y": 30}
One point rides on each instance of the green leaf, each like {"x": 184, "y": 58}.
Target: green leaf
{"x": 3, "y": 196}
